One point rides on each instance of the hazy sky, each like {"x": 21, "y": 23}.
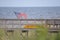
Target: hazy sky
{"x": 29, "y": 3}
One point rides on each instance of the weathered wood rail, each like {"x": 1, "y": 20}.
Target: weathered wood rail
{"x": 52, "y": 24}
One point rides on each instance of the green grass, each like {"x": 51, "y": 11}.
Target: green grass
{"x": 9, "y": 35}
{"x": 16, "y": 35}
{"x": 42, "y": 32}
{"x": 52, "y": 36}
{"x": 40, "y": 35}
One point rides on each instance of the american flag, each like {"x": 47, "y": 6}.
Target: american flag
{"x": 21, "y": 15}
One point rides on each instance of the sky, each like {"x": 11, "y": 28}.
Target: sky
{"x": 29, "y": 3}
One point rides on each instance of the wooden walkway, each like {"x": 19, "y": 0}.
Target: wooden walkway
{"x": 52, "y": 24}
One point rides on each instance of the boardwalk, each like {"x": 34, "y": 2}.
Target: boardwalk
{"x": 14, "y": 28}
{"x": 52, "y": 24}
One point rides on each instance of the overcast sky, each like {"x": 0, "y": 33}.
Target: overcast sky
{"x": 29, "y": 3}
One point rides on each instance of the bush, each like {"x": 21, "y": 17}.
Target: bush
{"x": 42, "y": 32}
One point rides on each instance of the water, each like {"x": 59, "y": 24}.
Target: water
{"x": 32, "y": 12}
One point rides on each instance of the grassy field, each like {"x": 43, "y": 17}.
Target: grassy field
{"x": 32, "y": 35}
{"x": 16, "y": 35}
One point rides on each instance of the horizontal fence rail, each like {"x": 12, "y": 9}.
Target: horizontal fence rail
{"x": 17, "y": 23}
